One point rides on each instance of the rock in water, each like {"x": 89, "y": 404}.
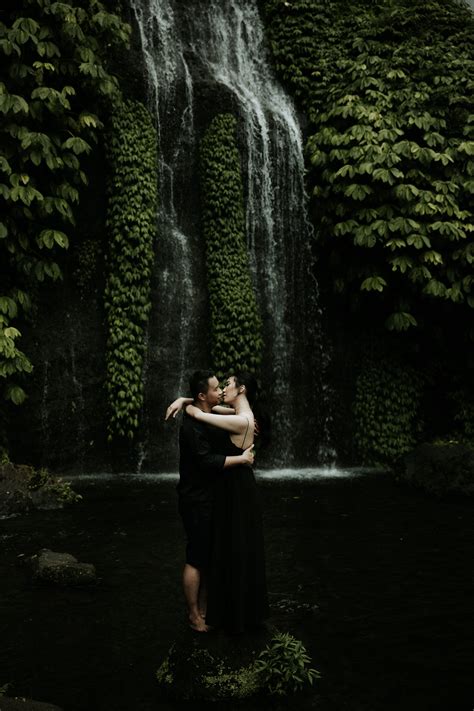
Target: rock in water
{"x": 24, "y": 489}
{"x": 61, "y": 568}
{"x": 213, "y": 666}
{"x": 439, "y": 468}
{"x": 20, "y": 704}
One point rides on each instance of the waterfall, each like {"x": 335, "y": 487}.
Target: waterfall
{"x": 200, "y": 59}
{"x": 44, "y": 410}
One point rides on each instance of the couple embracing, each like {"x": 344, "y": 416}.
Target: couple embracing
{"x": 224, "y": 574}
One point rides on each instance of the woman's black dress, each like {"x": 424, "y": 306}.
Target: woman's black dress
{"x": 237, "y": 590}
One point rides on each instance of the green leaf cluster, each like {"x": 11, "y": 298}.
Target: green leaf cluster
{"x": 44, "y": 480}
{"x": 236, "y": 327}
{"x": 386, "y": 410}
{"x": 284, "y": 665}
{"x": 49, "y": 120}
{"x": 131, "y": 146}
{"x": 389, "y": 91}
{"x": 463, "y": 401}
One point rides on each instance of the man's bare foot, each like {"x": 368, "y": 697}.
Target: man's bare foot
{"x": 197, "y": 624}
{"x": 202, "y": 612}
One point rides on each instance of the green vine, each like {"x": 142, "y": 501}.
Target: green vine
{"x": 54, "y": 83}
{"x": 389, "y": 91}
{"x": 131, "y": 147}
{"x": 236, "y": 328}
{"x": 386, "y": 410}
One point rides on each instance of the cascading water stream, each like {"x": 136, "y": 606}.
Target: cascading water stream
{"x": 228, "y": 46}
{"x": 166, "y": 75}
{"x": 212, "y": 56}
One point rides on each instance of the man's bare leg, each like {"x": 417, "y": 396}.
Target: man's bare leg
{"x": 191, "y": 584}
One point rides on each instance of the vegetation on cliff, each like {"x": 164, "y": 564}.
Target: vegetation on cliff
{"x": 54, "y": 87}
{"x": 131, "y": 147}
{"x": 388, "y": 89}
{"x": 236, "y": 328}
{"x": 387, "y": 409}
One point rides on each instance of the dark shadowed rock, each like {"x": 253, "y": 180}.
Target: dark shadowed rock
{"x": 61, "y": 568}
{"x": 20, "y": 704}
{"x": 439, "y": 468}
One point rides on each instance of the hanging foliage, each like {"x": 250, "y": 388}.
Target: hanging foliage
{"x": 389, "y": 90}
{"x": 131, "y": 220}
{"x": 54, "y": 85}
{"x": 386, "y": 410}
{"x": 236, "y": 329}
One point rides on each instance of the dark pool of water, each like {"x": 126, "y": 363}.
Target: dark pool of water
{"x": 376, "y": 579}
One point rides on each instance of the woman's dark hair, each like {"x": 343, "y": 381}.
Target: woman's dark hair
{"x": 199, "y": 382}
{"x": 243, "y": 377}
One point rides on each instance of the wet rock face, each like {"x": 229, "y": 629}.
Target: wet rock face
{"x": 61, "y": 568}
{"x": 439, "y": 468}
{"x": 192, "y": 61}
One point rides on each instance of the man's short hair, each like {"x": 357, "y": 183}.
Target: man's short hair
{"x": 199, "y": 382}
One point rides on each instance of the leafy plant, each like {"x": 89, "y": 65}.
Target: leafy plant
{"x": 463, "y": 401}
{"x": 42, "y": 479}
{"x": 283, "y": 665}
{"x": 236, "y": 328}
{"x": 4, "y": 688}
{"x": 388, "y": 88}
{"x": 386, "y": 410}
{"x": 54, "y": 85}
{"x": 132, "y": 207}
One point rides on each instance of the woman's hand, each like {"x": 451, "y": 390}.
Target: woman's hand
{"x": 248, "y": 456}
{"x": 176, "y": 406}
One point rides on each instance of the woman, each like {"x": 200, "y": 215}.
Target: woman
{"x": 237, "y": 593}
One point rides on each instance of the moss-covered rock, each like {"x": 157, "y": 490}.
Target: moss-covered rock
{"x": 213, "y": 666}
{"x": 236, "y": 326}
{"x": 61, "y": 569}
{"x": 439, "y": 468}
{"x": 23, "y": 489}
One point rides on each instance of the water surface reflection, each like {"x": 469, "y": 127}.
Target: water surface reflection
{"x": 376, "y": 579}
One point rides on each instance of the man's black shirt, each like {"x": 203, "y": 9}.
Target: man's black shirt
{"x": 199, "y": 461}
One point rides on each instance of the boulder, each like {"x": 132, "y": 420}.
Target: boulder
{"x": 61, "y": 568}
{"x": 439, "y": 468}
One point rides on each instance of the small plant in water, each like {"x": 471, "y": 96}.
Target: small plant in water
{"x": 42, "y": 479}
{"x": 284, "y": 665}
{"x": 4, "y": 689}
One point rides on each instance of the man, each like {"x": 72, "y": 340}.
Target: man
{"x": 199, "y": 464}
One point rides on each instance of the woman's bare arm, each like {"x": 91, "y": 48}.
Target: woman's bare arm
{"x": 177, "y": 405}
{"x": 237, "y": 424}
{"x": 222, "y": 410}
